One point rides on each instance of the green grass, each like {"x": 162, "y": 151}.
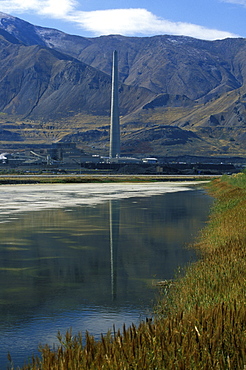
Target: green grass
{"x": 200, "y": 320}
{"x": 236, "y": 180}
{"x": 87, "y": 178}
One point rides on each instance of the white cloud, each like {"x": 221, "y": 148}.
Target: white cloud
{"x": 58, "y": 8}
{"x": 239, "y": 2}
{"x": 52, "y": 8}
{"x": 17, "y": 5}
{"x": 128, "y": 22}
{"x": 140, "y": 21}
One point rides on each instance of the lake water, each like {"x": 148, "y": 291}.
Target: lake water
{"x": 87, "y": 256}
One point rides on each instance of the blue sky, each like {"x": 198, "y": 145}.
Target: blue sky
{"x": 203, "y": 19}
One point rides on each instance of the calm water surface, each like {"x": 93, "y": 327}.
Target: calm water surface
{"x": 77, "y": 258}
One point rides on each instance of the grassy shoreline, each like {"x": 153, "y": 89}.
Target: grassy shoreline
{"x": 201, "y": 317}
{"x": 80, "y": 179}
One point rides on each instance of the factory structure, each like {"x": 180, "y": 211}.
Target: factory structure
{"x": 114, "y": 147}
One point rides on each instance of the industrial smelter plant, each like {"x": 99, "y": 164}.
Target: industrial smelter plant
{"x": 66, "y": 155}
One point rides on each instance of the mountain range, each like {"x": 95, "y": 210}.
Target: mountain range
{"x": 178, "y": 95}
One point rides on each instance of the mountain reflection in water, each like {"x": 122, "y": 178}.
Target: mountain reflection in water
{"x": 91, "y": 266}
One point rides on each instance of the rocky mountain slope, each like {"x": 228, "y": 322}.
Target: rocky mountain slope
{"x": 178, "y": 95}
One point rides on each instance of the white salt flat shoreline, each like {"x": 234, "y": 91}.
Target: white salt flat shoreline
{"x": 34, "y": 197}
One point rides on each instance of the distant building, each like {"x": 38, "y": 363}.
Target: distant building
{"x": 150, "y": 160}
{"x": 65, "y": 152}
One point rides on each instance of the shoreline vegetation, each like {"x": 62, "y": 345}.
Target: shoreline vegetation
{"x": 86, "y": 178}
{"x": 200, "y": 320}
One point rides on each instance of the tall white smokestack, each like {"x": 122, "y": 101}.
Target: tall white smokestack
{"x": 114, "y": 150}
